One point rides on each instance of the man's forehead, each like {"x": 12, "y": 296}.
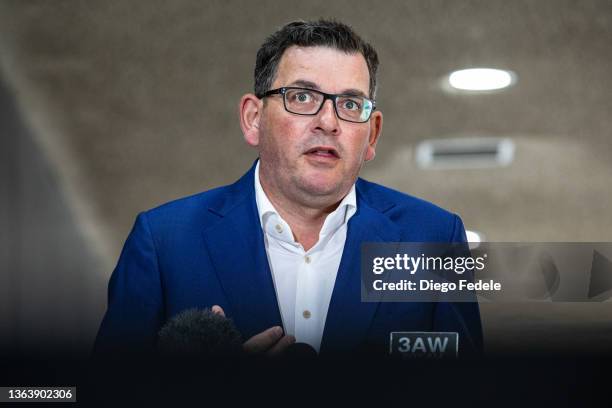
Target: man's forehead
{"x": 323, "y": 67}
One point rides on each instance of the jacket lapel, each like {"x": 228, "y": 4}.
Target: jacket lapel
{"x": 238, "y": 254}
{"x": 348, "y": 318}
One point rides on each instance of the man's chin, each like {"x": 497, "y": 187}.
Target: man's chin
{"x": 323, "y": 188}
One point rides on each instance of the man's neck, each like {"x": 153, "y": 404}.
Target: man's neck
{"x": 305, "y": 221}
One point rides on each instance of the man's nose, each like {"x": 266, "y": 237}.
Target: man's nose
{"x": 327, "y": 119}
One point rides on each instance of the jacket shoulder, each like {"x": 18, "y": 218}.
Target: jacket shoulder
{"x": 190, "y": 212}
{"x": 212, "y": 203}
{"x": 412, "y": 213}
{"x": 380, "y": 196}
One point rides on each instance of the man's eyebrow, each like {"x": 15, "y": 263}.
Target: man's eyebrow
{"x": 305, "y": 84}
{"x": 354, "y": 92}
{"x": 311, "y": 85}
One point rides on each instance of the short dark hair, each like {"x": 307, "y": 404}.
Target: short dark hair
{"x": 328, "y": 33}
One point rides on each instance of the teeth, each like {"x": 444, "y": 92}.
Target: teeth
{"x": 331, "y": 152}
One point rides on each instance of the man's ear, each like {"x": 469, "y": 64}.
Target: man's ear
{"x": 250, "y": 110}
{"x": 376, "y": 122}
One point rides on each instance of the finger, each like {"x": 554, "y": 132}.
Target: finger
{"x": 263, "y": 341}
{"x": 218, "y": 310}
{"x": 280, "y": 346}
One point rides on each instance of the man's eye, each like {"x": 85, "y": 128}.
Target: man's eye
{"x": 351, "y": 105}
{"x": 303, "y": 97}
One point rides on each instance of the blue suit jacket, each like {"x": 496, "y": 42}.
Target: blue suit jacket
{"x": 208, "y": 249}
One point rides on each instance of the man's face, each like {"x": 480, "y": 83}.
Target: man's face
{"x": 315, "y": 159}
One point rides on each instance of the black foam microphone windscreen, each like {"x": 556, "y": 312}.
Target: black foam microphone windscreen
{"x": 200, "y": 333}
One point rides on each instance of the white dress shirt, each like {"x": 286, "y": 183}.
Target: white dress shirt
{"x": 304, "y": 280}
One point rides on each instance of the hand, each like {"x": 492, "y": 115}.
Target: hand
{"x": 270, "y": 342}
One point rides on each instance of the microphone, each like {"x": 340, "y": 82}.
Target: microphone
{"x": 200, "y": 333}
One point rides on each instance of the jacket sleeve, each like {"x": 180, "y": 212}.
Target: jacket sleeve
{"x": 461, "y": 317}
{"x": 135, "y": 303}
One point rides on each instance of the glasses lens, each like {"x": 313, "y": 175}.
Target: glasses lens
{"x": 354, "y": 108}
{"x": 303, "y": 101}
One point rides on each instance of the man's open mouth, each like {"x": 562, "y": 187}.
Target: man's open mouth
{"x": 323, "y": 151}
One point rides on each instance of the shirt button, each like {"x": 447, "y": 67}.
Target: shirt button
{"x": 307, "y": 259}
{"x": 279, "y": 229}
{"x": 306, "y": 314}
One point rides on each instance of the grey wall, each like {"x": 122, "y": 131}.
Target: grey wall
{"x": 131, "y": 104}
{"x": 51, "y": 282}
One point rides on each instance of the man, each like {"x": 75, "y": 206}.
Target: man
{"x": 278, "y": 251}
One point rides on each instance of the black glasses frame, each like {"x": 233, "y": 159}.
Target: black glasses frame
{"x": 283, "y": 90}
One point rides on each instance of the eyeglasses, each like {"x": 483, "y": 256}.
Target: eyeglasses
{"x": 304, "y": 101}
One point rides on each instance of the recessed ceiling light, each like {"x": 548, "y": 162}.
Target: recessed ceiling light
{"x": 481, "y": 79}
